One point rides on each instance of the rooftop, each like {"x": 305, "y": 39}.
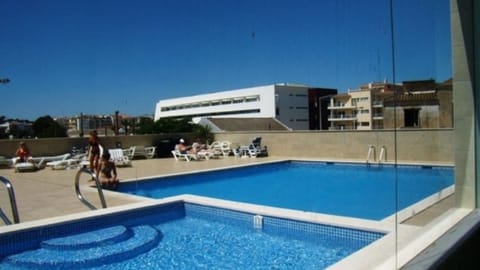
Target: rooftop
{"x": 245, "y": 124}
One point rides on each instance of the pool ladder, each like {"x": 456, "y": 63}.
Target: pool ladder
{"x": 98, "y": 185}
{"x": 371, "y": 154}
{"x": 13, "y": 203}
{"x": 382, "y": 157}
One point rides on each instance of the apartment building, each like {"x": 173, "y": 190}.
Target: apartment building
{"x": 360, "y": 109}
{"x": 413, "y": 104}
{"x": 296, "y": 106}
{"x": 420, "y": 104}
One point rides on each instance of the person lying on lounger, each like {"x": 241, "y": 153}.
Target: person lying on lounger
{"x": 181, "y": 147}
{"x": 203, "y": 150}
{"x": 197, "y": 146}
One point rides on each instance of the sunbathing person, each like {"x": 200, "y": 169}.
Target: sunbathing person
{"x": 197, "y": 146}
{"x": 108, "y": 172}
{"x": 23, "y": 154}
{"x": 182, "y": 148}
{"x": 203, "y": 150}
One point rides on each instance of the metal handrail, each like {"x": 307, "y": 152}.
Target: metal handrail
{"x": 13, "y": 203}
{"x": 97, "y": 183}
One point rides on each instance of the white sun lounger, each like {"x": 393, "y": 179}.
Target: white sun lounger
{"x": 254, "y": 149}
{"x": 220, "y": 149}
{"x": 206, "y": 154}
{"x": 47, "y": 159}
{"x": 5, "y": 162}
{"x": 143, "y": 151}
{"x": 129, "y": 152}
{"x": 28, "y": 166}
{"x": 186, "y": 156}
{"x": 37, "y": 162}
{"x": 116, "y": 155}
{"x": 67, "y": 163}
{"x": 53, "y": 160}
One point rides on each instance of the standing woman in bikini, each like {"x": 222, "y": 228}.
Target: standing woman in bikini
{"x": 94, "y": 152}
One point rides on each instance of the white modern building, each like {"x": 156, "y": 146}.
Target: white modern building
{"x": 296, "y": 106}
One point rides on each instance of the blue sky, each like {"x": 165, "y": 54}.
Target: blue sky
{"x": 99, "y": 56}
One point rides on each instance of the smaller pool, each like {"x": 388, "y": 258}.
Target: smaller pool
{"x": 181, "y": 235}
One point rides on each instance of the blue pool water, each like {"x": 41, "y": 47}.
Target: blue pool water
{"x": 181, "y": 236}
{"x": 354, "y": 190}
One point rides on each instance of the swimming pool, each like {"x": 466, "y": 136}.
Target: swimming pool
{"x": 181, "y": 235}
{"x": 345, "y": 189}
{"x": 222, "y": 233}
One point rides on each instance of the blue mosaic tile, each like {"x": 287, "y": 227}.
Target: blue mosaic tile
{"x": 285, "y": 227}
{"x": 14, "y": 242}
{"x": 218, "y": 214}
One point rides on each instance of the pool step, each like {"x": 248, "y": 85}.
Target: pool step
{"x": 90, "y": 239}
{"x": 83, "y": 250}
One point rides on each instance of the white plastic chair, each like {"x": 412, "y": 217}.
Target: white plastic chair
{"x": 116, "y": 155}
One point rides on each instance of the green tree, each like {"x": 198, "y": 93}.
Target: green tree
{"x": 203, "y": 132}
{"x": 46, "y": 127}
{"x": 173, "y": 125}
{"x": 126, "y": 126}
{"x": 145, "y": 126}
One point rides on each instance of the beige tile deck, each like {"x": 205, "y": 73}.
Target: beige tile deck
{"x": 49, "y": 193}
{"x": 424, "y": 217}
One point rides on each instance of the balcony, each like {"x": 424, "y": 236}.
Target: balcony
{"x": 377, "y": 104}
{"x": 341, "y": 128}
{"x": 377, "y": 116}
{"x": 342, "y": 117}
{"x": 341, "y": 106}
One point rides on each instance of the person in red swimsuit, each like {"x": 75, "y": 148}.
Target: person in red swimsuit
{"x": 23, "y": 153}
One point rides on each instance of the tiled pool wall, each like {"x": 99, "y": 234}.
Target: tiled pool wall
{"x": 370, "y": 164}
{"x": 286, "y": 227}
